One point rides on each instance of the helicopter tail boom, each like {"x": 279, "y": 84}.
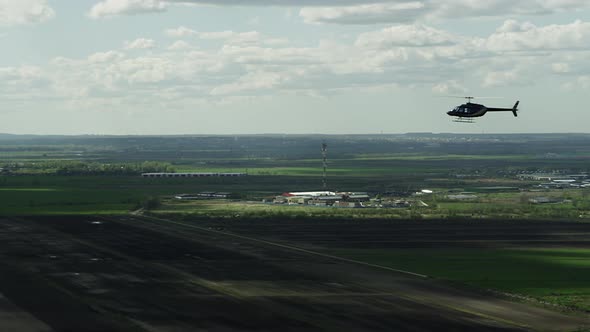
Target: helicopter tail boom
{"x": 514, "y": 109}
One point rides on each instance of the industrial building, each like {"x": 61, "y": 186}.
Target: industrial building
{"x": 322, "y": 198}
{"x": 397, "y": 203}
{"x": 190, "y": 175}
{"x": 552, "y": 177}
{"x": 203, "y": 195}
{"x": 310, "y": 194}
{"x": 546, "y": 200}
{"x": 461, "y": 197}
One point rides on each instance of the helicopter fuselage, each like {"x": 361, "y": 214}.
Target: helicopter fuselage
{"x": 469, "y": 110}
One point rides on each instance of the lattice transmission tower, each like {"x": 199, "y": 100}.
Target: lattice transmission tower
{"x": 325, "y": 164}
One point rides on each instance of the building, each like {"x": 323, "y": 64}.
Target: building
{"x": 496, "y": 189}
{"x": 317, "y": 202}
{"x": 349, "y": 205}
{"x": 461, "y": 197}
{"x": 581, "y": 176}
{"x": 203, "y": 195}
{"x": 395, "y": 204}
{"x": 356, "y": 197}
{"x": 545, "y": 200}
{"x": 298, "y": 200}
{"x": 280, "y": 200}
{"x": 321, "y": 198}
{"x": 190, "y": 175}
{"x": 310, "y": 193}
{"x": 552, "y": 177}
{"x": 554, "y": 185}
{"x": 536, "y": 177}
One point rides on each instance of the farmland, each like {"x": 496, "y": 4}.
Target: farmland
{"x": 132, "y": 273}
{"x": 557, "y": 275}
{"x": 81, "y": 227}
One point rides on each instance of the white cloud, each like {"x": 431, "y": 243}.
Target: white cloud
{"x": 560, "y": 68}
{"x": 580, "y": 83}
{"x": 494, "y": 78}
{"x": 22, "y": 83}
{"x": 264, "y": 55}
{"x": 233, "y": 37}
{"x": 470, "y": 8}
{"x": 584, "y": 82}
{"x": 549, "y": 4}
{"x": 181, "y": 31}
{"x": 361, "y": 11}
{"x": 249, "y": 82}
{"x": 365, "y": 13}
{"x": 515, "y": 26}
{"x": 110, "y": 8}
{"x": 146, "y": 69}
{"x": 14, "y": 12}
{"x": 250, "y": 36}
{"x": 21, "y": 73}
{"x": 405, "y": 35}
{"x": 241, "y": 64}
{"x": 227, "y": 36}
{"x": 108, "y": 56}
{"x": 370, "y": 12}
{"x": 449, "y": 87}
{"x": 254, "y": 20}
{"x": 179, "y": 45}
{"x": 140, "y": 43}
{"x": 527, "y": 36}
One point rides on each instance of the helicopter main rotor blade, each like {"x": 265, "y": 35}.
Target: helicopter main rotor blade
{"x": 470, "y": 97}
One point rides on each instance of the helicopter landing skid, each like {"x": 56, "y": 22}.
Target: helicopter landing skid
{"x": 464, "y": 120}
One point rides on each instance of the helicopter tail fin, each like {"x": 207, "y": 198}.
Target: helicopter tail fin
{"x": 515, "y": 108}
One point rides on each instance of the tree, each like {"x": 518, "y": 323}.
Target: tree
{"x": 150, "y": 203}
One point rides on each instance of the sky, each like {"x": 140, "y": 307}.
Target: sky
{"x": 131, "y": 67}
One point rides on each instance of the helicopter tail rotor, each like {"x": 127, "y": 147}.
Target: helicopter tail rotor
{"x": 515, "y": 108}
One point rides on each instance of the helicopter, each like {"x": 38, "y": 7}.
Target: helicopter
{"x": 466, "y": 112}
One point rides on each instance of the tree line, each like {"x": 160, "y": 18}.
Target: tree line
{"x": 72, "y": 167}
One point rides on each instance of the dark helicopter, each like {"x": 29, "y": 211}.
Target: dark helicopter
{"x": 466, "y": 112}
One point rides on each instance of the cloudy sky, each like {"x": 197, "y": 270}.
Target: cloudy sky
{"x": 287, "y": 66}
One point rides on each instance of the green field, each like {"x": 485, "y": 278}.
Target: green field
{"x": 54, "y": 194}
{"x": 35, "y": 194}
{"x": 554, "y": 275}
{"x": 102, "y": 175}
{"x": 28, "y": 195}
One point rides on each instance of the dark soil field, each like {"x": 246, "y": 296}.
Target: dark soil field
{"x": 81, "y": 273}
{"x": 543, "y": 261}
{"x": 379, "y": 234}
